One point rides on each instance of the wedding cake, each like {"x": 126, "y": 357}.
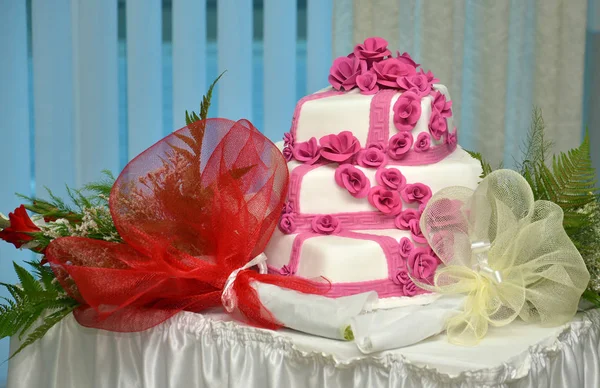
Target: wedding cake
{"x": 365, "y": 155}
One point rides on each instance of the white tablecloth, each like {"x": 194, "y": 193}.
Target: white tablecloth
{"x": 193, "y": 350}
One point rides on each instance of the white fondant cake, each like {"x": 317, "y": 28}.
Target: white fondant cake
{"x": 365, "y": 156}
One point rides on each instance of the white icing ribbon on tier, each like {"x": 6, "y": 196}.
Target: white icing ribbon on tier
{"x": 228, "y": 297}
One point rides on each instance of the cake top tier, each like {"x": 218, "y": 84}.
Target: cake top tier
{"x": 380, "y": 109}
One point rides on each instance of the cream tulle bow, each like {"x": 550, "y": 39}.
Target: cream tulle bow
{"x": 508, "y": 253}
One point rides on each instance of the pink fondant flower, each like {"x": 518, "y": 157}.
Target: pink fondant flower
{"x": 441, "y": 105}
{"x": 325, "y": 224}
{"x": 407, "y": 111}
{"x": 405, "y": 58}
{"x": 406, "y": 246}
{"x": 415, "y": 232}
{"x": 410, "y": 288}
{"x": 403, "y": 219}
{"x": 307, "y": 152}
{"x": 422, "y": 263}
{"x": 339, "y": 148}
{"x": 353, "y": 180}
{"x": 286, "y": 270}
{"x": 367, "y": 82}
{"x": 386, "y": 201}
{"x": 343, "y": 72}
{"x": 288, "y": 139}
{"x": 378, "y": 145}
{"x": 401, "y": 277}
{"x": 430, "y": 77}
{"x": 452, "y": 138}
{"x": 390, "y": 178}
{"x": 287, "y": 208}
{"x": 288, "y": 154}
{"x": 390, "y": 69}
{"x": 423, "y": 142}
{"x": 399, "y": 145}
{"x": 372, "y": 157}
{"x": 372, "y": 50}
{"x": 416, "y": 192}
{"x": 287, "y": 224}
{"x": 438, "y": 125}
{"x": 417, "y": 84}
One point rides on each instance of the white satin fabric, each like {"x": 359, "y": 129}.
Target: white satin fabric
{"x": 192, "y": 350}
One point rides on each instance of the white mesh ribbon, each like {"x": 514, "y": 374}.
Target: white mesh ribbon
{"x": 508, "y": 253}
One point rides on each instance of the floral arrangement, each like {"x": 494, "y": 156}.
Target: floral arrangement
{"x": 372, "y": 67}
{"x": 568, "y": 180}
{"x": 123, "y": 254}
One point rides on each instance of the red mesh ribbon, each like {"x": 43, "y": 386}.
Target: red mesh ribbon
{"x": 191, "y": 209}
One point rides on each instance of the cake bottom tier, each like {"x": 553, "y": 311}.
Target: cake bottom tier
{"x": 357, "y": 261}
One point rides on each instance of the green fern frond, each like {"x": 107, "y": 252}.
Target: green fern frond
{"x": 39, "y": 296}
{"x": 536, "y": 147}
{"x": 570, "y": 183}
{"x": 48, "y": 322}
{"x": 204, "y": 104}
{"x": 486, "y": 167}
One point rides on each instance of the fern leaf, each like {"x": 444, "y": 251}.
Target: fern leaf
{"x": 27, "y": 280}
{"x": 486, "y": 167}
{"x": 570, "y": 184}
{"x": 536, "y": 147}
{"x": 48, "y": 322}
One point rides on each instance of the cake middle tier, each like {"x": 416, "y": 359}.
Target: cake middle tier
{"x": 313, "y": 191}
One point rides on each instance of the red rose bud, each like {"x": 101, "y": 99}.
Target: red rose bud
{"x": 19, "y": 229}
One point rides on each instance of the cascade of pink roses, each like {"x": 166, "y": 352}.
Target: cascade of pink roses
{"x": 372, "y": 66}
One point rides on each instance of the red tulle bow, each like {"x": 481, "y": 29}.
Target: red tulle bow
{"x": 191, "y": 209}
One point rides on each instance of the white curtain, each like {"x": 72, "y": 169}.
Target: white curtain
{"x": 498, "y": 58}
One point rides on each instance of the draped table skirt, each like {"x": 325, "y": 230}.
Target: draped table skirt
{"x": 209, "y": 350}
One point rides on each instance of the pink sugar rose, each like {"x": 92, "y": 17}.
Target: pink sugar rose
{"x": 430, "y": 77}
{"x": 288, "y": 139}
{"x": 288, "y": 154}
{"x": 405, "y": 58}
{"x": 325, "y": 224}
{"x": 410, "y": 289}
{"x": 343, "y": 72}
{"x": 452, "y": 138}
{"x": 372, "y": 50}
{"x": 386, "y": 201}
{"x": 286, "y": 271}
{"x": 339, "y": 148}
{"x": 399, "y": 145}
{"x": 441, "y": 105}
{"x": 287, "y": 208}
{"x": 406, "y": 246}
{"x": 438, "y": 125}
{"x": 378, "y": 145}
{"x": 401, "y": 277}
{"x": 415, "y": 83}
{"x": 353, "y": 180}
{"x": 407, "y": 111}
{"x": 415, "y": 232}
{"x": 367, "y": 82}
{"x": 422, "y": 263}
{"x": 403, "y": 219}
{"x": 307, "y": 152}
{"x": 416, "y": 192}
{"x": 287, "y": 224}
{"x": 390, "y": 69}
{"x": 372, "y": 157}
{"x": 423, "y": 142}
{"x": 390, "y": 178}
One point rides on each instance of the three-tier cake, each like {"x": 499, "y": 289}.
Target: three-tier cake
{"x": 365, "y": 156}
